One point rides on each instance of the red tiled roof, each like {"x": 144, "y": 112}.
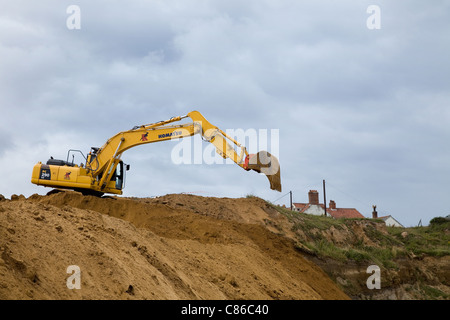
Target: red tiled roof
{"x": 344, "y": 213}
{"x": 335, "y": 213}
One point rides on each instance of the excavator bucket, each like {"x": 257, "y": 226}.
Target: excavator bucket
{"x": 264, "y": 162}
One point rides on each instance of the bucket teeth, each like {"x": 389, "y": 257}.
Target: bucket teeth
{"x": 264, "y": 162}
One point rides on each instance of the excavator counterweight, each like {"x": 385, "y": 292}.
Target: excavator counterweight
{"x": 104, "y": 171}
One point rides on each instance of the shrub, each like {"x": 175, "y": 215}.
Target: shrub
{"x": 438, "y": 220}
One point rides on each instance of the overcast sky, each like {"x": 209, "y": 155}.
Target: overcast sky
{"x": 367, "y": 109}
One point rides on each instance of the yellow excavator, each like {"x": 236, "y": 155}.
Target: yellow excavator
{"x": 104, "y": 171}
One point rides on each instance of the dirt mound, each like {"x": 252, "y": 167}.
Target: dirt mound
{"x": 171, "y": 247}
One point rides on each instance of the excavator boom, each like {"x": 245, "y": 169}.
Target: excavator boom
{"x": 104, "y": 171}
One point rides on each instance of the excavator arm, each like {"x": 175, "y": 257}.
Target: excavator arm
{"x": 102, "y": 164}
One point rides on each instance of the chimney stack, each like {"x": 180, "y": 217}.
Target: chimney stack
{"x": 313, "y": 196}
{"x": 374, "y": 212}
{"x": 332, "y": 204}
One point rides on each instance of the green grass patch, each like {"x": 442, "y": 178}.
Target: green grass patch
{"x": 433, "y": 293}
{"x": 433, "y": 240}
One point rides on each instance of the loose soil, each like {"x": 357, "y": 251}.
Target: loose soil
{"x": 173, "y": 247}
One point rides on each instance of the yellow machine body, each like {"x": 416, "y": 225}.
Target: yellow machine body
{"x": 70, "y": 177}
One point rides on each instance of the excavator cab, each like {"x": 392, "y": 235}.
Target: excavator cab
{"x": 119, "y": 175}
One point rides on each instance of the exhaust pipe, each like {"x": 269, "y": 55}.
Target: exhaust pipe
{"x": 264, "y": 162}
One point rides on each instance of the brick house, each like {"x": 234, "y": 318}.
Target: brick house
{"x": 315, "y": 207}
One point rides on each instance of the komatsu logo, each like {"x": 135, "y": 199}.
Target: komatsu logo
{"x": 171, "y": 134}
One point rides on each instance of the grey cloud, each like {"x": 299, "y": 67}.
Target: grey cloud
{"x": 5, "y": 142}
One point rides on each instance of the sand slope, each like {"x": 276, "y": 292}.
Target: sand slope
{"x": 172, "y": 247}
